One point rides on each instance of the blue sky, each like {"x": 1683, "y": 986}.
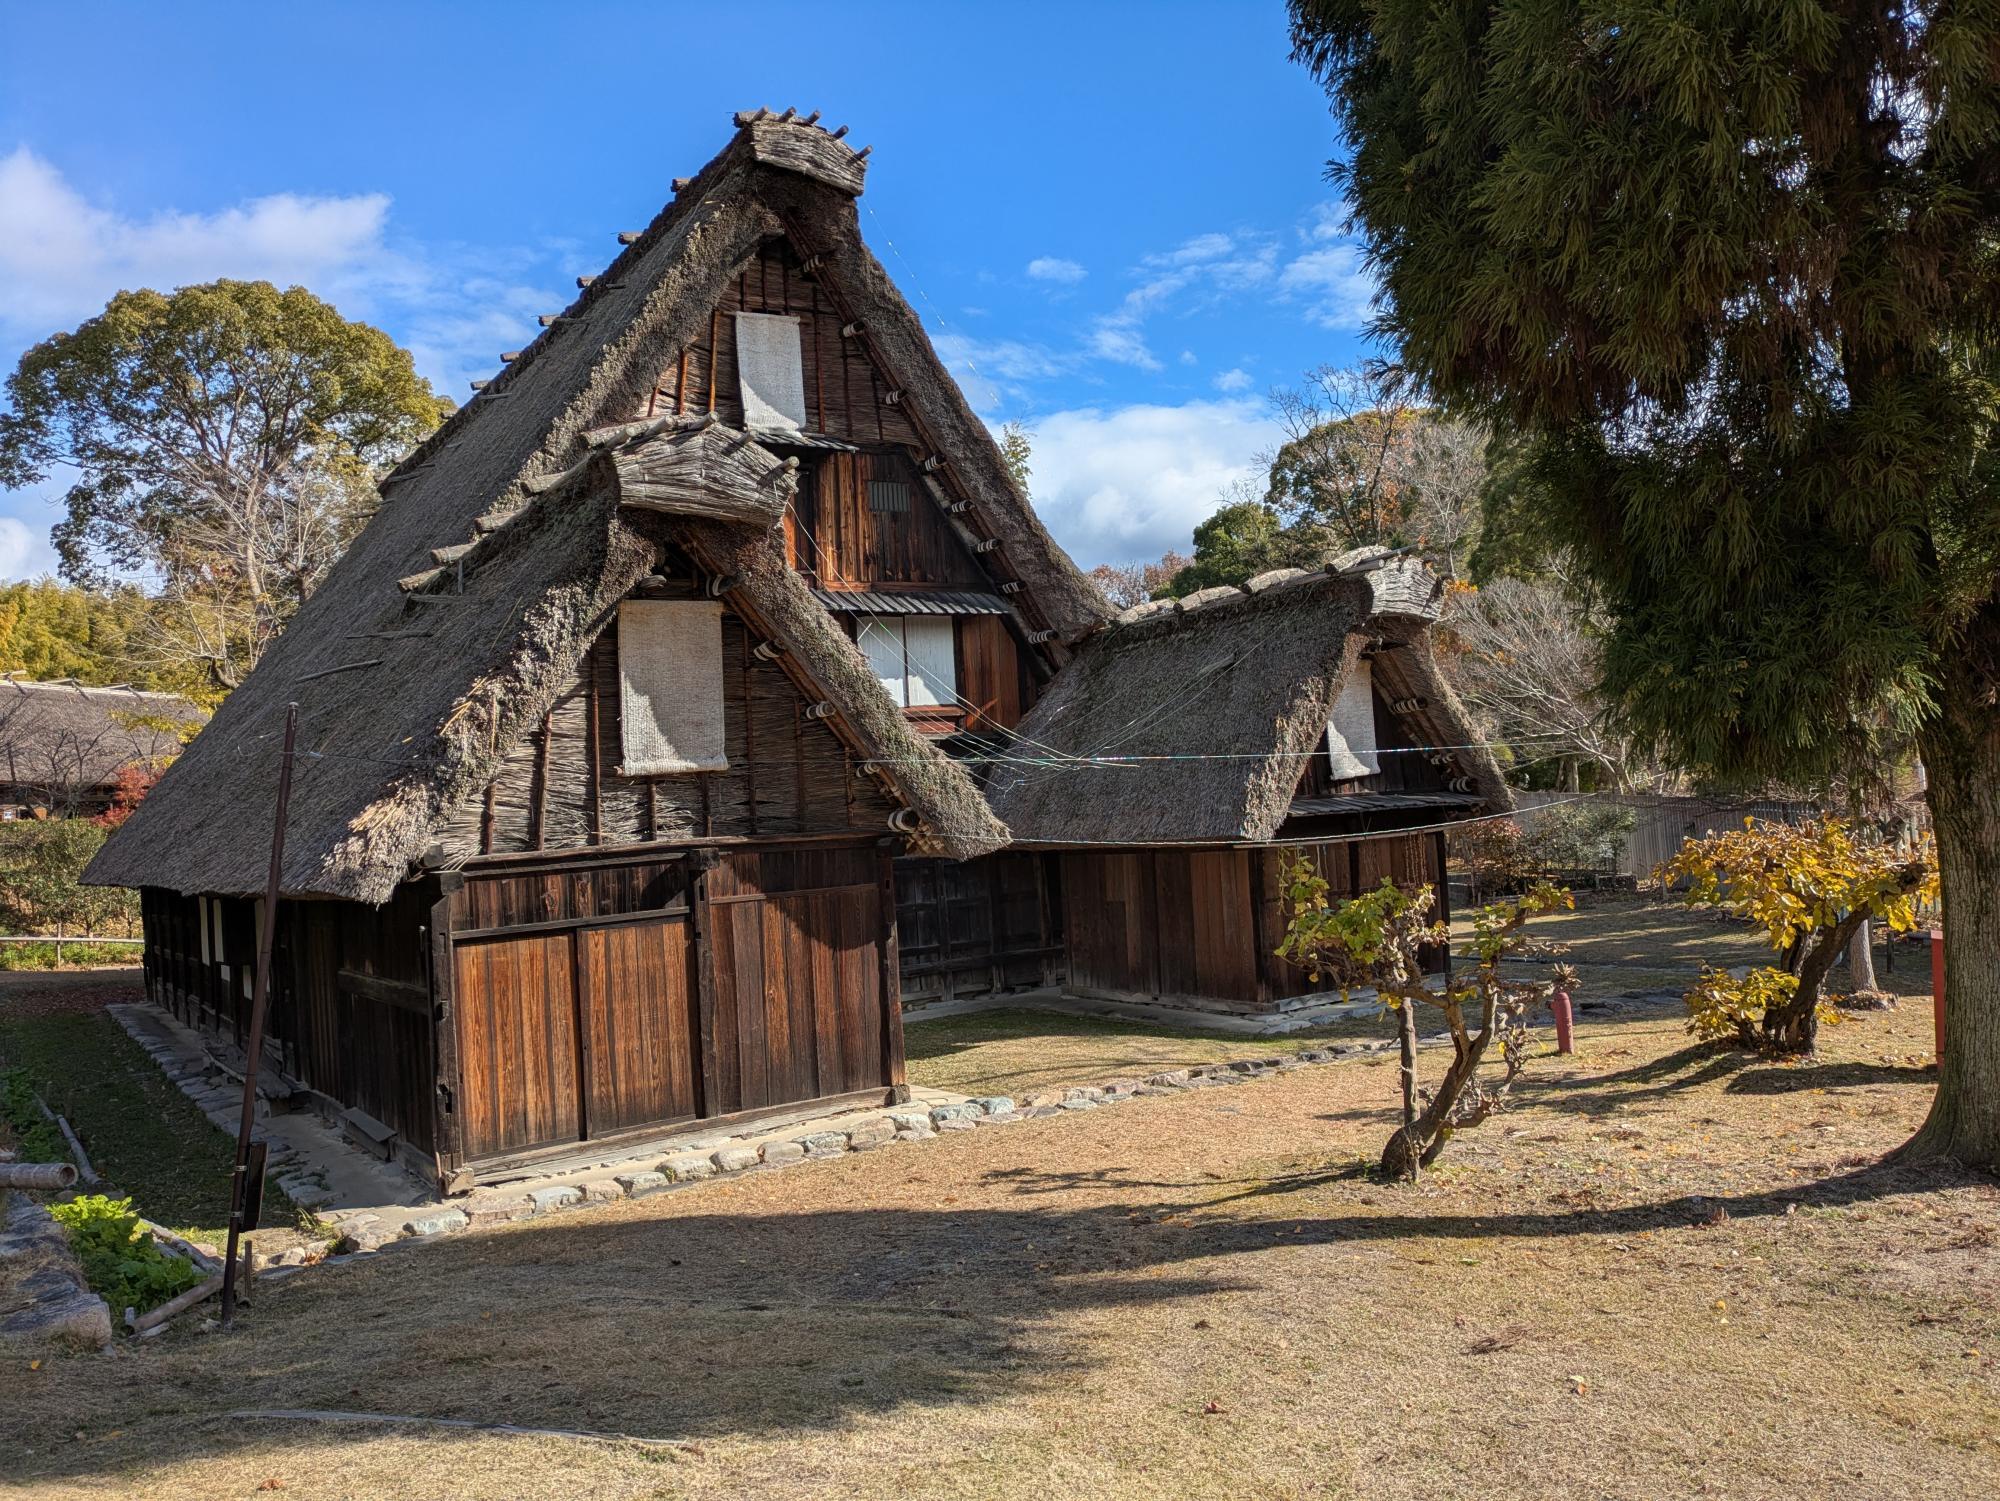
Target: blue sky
{"x": 1113, "y": 218}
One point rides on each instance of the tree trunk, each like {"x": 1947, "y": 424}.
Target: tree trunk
{"x": 1961, "y": 752}
{"x": 1861, "y": 958}
{"x": 1416, "y": 1144}
{"x": 1794, "y": 1027}
{"x": 1400, "y": 1156}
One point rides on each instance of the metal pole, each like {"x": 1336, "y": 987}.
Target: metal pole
{"x": 259, "y": 996}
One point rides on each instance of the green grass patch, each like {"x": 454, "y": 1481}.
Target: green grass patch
{"x": 141, "y": 1132}
{"x": 77, "y": 954}
{"x": 35, "y": 1137}
{"x": 1018, "y": 1051}
{"x": 119, "y": 1257}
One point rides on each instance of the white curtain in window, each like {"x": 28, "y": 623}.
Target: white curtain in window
{"x": 1350, "y": 730}
{"x": 670, "y": 687}
{"x": 769, "y": 370}
{"x": 880, "y": 638}
{"x": 933, "y": 672}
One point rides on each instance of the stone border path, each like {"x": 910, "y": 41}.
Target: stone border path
{"x": 366, "y": 1225}
{"x": 61, "y": 1308}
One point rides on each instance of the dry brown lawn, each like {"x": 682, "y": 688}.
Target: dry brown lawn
{"x": 1617, "y": 946}
{"x": 1672, "y": 1271}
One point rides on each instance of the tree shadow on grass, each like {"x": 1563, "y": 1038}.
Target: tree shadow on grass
{"x": 1797, "y": 1077}
{"x": 702, "y": 1318}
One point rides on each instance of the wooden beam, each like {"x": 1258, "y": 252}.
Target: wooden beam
{"x": 449, "y": 1083}
{"x": 705, "y": 990}
{"x": 894, "y": 1064}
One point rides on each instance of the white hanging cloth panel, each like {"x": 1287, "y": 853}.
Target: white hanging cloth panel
{"x": 881, "y": 641}
{"x": 670, "y": 687}
{"x": 933, "y": 669}
{"x": 1350, "y": 730}
{"x": 770, "y": 371}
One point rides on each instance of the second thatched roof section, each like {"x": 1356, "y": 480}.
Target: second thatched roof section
{"x": 1192, "y": 721}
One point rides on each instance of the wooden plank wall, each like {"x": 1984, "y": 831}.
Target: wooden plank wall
{"x": 976, "y": 927}
{"x": 574, "y": 1001}
{"x": 843, "y": 543}
{"x": 591, "y": 1000}
{"x": 1348, "y": 867}
{"x": 561, "y": 788}
{"x": 990, "y": 675}
{"x": 1200, "y": 927}
{"x": 351, "y": 1004}
{"x": 1171, "y": 923}
{"x": 844, "y": 392}
{"x": 797, "y": 947}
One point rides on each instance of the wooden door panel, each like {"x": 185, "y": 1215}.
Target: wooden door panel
{"x": 639, "y": 1022}
{"x": 517, "y": 1042}
{"x": 798, "y": 981}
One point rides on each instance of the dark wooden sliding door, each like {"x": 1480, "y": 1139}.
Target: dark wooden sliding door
{"x": 591, "y": 1001}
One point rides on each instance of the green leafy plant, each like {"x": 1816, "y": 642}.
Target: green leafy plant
{"x": 1378, "y": 940}
{"x": 119, "y": 1257}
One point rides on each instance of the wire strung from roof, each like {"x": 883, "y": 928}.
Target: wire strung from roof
{"x": 830, "y": 564}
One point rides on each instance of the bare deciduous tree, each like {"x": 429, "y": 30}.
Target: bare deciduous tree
{"x": 1525, "y": 662}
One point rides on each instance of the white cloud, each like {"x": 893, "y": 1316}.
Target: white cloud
{"x": 1055, "y": 268}
{"x": 1337, "y": 290}
{"x": 1237, "y": 379}
{"x": 1197, "y": 273}
{"x": 63, "y": 256}
{"x": 1125, "y": 484}
{"x": 24, "y": 552}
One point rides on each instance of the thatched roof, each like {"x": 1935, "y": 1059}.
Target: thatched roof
{"x": 67, "y": 740}
{"x": 409, "y": 691}
{"x": 1191, "y": 721}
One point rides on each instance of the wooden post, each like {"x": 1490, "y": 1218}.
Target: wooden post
{"x": 259, "y": 996}
{"x": 1937, "y": 990}
{"x": 448, "y": 1131}
{"x": 893, "y": 1067}
{"x": 703, "y": 917}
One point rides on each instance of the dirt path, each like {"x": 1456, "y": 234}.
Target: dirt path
{"x": 1672, "y": 1272}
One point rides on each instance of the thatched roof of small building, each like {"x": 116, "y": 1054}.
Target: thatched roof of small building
{"x": 1191, "y": 721}
{"x": 69, "y": 739}
{"x": 409, "y": 691}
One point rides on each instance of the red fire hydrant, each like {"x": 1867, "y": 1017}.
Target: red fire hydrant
{"x": 1937, "y": 989}
{"x": 1566, "y": 1022}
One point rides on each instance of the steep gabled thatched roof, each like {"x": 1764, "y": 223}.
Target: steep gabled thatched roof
{"x": 409, "y": 691}
{"x": 1190, "y": 721}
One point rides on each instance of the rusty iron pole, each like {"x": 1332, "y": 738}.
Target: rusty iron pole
{"x": 260, "y": 995}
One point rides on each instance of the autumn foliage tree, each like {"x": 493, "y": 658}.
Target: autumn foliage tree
{"x": 1729, "y": 274}
{"x": 1377, "y": 940}
{"x": 1810, "y": 887}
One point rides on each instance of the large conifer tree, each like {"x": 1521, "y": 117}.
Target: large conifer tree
{"x": 1734, "y": 270}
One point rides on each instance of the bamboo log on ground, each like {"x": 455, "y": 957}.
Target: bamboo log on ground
{"x": 42, "y": 1177}
{"x": 140, "y": 1323}
{"x": 83, "y": 1168}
